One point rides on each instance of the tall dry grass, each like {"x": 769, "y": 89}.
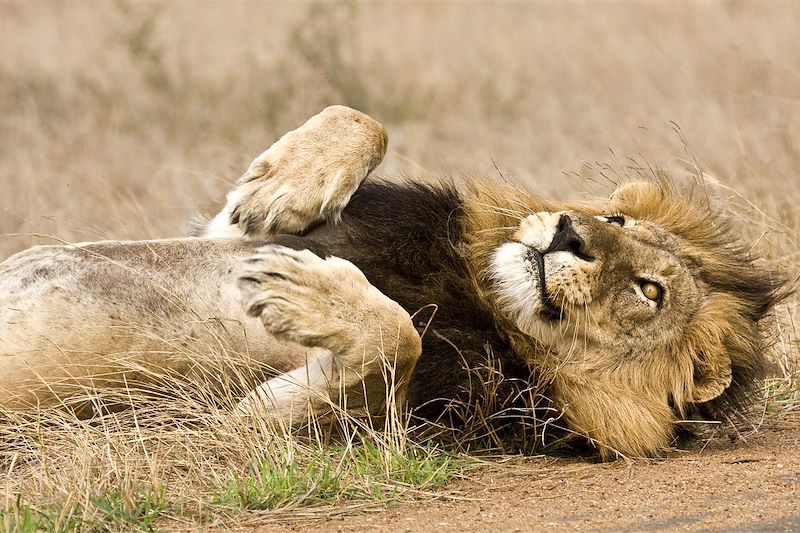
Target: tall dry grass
{"x": 119, "y": 119}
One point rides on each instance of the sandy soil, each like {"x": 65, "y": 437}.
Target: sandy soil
{"x": 716, "y": 485}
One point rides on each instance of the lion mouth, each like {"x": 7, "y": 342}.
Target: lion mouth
{"x": 549, "y": 309}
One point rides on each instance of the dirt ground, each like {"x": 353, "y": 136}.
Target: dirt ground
{"x": 751, "y": 484}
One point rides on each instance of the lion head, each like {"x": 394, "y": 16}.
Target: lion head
{"x": 641, "y": 310}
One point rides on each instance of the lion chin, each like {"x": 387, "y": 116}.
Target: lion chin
{"x": 628, "y": 314}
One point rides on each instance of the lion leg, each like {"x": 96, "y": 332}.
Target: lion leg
{"x": 306, "y": 177}
{"x": 371, "y": 341}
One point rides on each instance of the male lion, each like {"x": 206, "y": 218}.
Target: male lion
{"x": 630, "y": 313}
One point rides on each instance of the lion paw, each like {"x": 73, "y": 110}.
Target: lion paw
{"x": 306, "y": 177}
{"x": 328, "y": 303}
{"x": 304, "y": 298}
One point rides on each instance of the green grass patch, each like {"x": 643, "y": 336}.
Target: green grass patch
{"x": 21, "y": 517}
{"x": 136, "y": 511}
{"x": 782, "y": 396}
{"x": 367, "y": 471}
{"x": 112, "y": 511}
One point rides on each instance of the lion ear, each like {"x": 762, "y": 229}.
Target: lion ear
{"x": 634, "y": 192}
{"x": 712, "y": 375}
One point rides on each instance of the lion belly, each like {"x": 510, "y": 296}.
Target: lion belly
{"x": 157, "y": 313}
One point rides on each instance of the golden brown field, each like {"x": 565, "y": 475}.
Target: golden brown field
{"x": 121, "y": 119}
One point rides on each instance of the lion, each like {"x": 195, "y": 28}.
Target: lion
{"x": 631, "y": 314}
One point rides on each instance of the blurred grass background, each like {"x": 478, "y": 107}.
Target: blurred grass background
{"x": 118, "y": 119}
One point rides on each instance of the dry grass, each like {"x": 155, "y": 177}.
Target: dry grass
{"x": 183, "y": 463}
{"x": 120, "y": 119}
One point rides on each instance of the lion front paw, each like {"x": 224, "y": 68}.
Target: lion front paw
{"x": 302, "y": 297}
{"x": 306, "y": 177}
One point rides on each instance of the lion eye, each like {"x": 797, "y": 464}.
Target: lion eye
{"x": 619, "y": 220}
{"x": 652, "y": 291}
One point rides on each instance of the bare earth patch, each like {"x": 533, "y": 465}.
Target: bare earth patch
{"x": 751, "y": 484}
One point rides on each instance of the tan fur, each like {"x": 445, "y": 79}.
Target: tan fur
{"x": 94, "y": 316}
{"x": 75, "y": 320}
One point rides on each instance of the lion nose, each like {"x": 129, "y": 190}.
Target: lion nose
{"x": 566, "y": 239}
